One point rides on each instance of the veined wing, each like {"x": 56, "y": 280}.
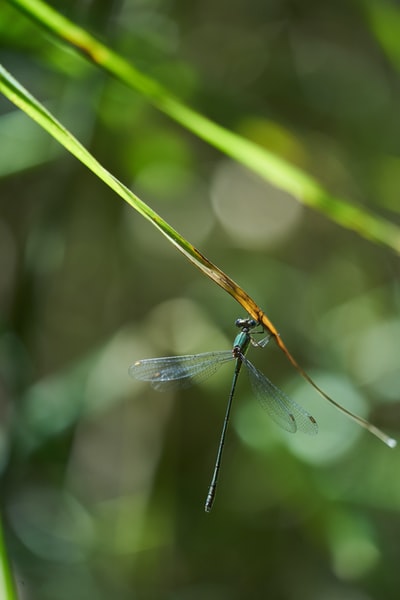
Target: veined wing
{"x": 173, "y": 372}
{"x": 283, "y": 410}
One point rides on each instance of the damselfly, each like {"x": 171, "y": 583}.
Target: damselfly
{"x": 182, "y": 371}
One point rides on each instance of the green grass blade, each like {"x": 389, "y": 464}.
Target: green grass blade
{"x": 15, "y": 92}
{"x": 272, "y": 168}
{"x": 7, "y": 588}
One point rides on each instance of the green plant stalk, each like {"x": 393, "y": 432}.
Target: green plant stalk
{"x": 272, "y": 168}
{"x": 7, "y": 588}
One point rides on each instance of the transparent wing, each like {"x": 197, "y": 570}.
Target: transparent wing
{"x": 261, "y": 343}
{"x": 173, "y": 372}
{"x": 285, "y": 412}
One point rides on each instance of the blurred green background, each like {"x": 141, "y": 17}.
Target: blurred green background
{"x": 103, "y": 480}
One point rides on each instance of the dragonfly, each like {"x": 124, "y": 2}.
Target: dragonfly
{"x": 174, "y": 372}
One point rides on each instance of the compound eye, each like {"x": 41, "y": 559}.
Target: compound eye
{"x": 241, "y": 323}
{"x": 246, "y": 323}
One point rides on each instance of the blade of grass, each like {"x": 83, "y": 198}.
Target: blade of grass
{"x": 15, "y": 92}
{"x": 272, "y": 168}
{"x": 21, "y": 98}
{"x": 7, "y": 588}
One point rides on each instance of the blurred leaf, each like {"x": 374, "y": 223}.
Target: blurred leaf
{"x": 7, "y": 590}
{"x": 24, "y": 145}
{"x": 384, "y": 19}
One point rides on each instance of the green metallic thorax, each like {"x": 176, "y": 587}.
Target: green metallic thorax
{"x": 242, "y": 341}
